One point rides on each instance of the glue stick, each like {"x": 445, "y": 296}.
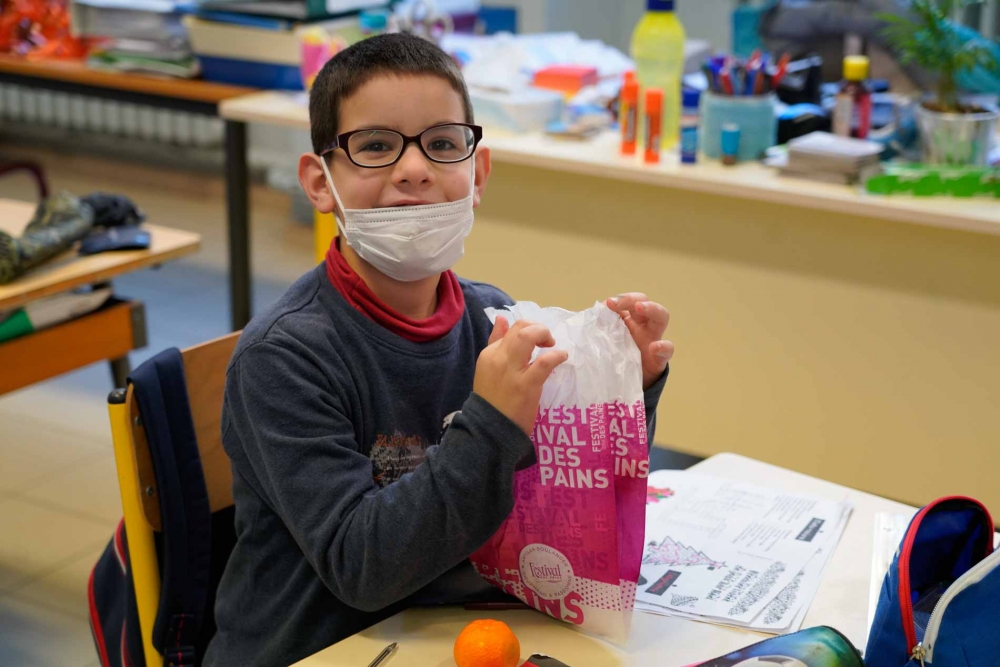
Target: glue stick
{"x": 653, "y": 119}
{"x": 628, "y": 115}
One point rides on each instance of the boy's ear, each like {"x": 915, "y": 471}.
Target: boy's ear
{"x": 313, "y": 182}
{"x": 483, "y": 167}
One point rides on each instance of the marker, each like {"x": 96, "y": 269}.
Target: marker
{"x": 780, "y": 74}
{"x": 628, "y": 116}
{"x": 653, "y": 124}
{"x": 726, "y": 81}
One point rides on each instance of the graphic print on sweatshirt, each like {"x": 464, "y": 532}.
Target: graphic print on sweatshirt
{"x": 395, "y": 455}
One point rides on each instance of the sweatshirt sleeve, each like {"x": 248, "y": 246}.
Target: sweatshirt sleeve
{"x": 651, "y": 398}
{"x": 370, "y": 546}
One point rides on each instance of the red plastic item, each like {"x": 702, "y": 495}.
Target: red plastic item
{"x": 565, "y": 78}
{"x": 654, "y": 119}
{"x": 38, "y": 29}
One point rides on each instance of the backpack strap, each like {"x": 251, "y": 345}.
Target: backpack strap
{"x": 161, "y": 393}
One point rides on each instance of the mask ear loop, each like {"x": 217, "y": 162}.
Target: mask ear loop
{"x": 336, "y": 196}
{"x": 472, "y": 193}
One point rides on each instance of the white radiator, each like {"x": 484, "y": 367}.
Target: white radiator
{"x": 82, "y": 113}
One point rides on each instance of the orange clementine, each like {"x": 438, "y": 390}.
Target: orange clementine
{"x": 487, "y": 643}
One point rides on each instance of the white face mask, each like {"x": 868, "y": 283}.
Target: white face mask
{"x": 408, "y": 243}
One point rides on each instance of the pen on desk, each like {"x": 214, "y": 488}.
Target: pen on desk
{"x": 386, "y": 652}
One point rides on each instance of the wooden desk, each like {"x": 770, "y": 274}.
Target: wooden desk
{"x": 192, "y": 96}
{"x": 426, "y": 636}
{"x": 818, "y": 328}
{"x": 599, "y": 157}
{"x": 108, "y": 333}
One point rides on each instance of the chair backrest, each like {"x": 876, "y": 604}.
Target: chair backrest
{"x": 205, "y": 373}
{"x": 205, "y": 377}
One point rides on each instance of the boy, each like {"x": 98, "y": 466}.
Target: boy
{"x": 346, "y": 511}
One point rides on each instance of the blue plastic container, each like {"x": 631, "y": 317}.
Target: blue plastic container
{"x": 754, "y": 115}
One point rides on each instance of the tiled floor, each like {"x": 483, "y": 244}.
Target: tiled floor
{"x": 59, "y": 500}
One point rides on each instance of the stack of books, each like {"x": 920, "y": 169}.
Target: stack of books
{"x": 258, "y": 43}
{"x": 136, "y": 35}
{"x": 822, "y": 156}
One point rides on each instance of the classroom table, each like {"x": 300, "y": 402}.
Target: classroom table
{"x": 426, "y": 636}
{"x": 191, "y": 96}
{"x": 107, "y": 333}
{"x": 844, "y": 335}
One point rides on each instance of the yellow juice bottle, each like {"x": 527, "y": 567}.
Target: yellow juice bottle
{"x": 658, "y": 51}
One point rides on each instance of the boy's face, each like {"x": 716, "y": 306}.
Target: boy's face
{"x": 408, "y": 105}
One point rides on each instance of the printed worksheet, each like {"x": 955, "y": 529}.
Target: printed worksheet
{"x": 734, "y": 553}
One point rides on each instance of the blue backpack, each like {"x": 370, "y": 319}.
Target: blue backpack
{"x": 940, "y": 600}
{"x": 192, "y": 549}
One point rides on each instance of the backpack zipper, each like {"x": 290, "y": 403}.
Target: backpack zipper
{"x": 925, "y": 649}
{"x": 917, "y": 649}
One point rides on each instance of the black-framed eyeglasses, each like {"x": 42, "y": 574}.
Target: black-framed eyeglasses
{"x": 446, "y": 144}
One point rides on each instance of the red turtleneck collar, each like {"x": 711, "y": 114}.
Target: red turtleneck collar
{"x": 450, "y": 301}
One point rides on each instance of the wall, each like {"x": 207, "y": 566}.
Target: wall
{"x": 857, "y": 350}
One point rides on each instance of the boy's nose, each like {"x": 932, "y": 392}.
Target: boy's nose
{"x": 413, "y": 167}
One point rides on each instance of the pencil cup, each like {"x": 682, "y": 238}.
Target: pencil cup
{"x": 754, "y": 115}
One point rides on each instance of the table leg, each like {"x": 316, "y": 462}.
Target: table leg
{"x": 238, "y": 205}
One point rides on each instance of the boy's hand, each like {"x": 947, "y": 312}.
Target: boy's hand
{"x": 647, "y": 321}
{"x": 505, "y": 374}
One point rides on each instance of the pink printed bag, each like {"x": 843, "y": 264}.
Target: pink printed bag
{"x": 572, "y": 546}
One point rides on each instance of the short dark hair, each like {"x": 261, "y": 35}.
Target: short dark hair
{"x": 393, "y": 54}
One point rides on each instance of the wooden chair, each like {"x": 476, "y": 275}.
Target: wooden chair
{"x": 205, "y": 372}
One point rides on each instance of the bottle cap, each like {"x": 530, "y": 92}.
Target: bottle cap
{"x": 856, "y": 68}
{"x": 690, "y": 98}
{"x": 630, "y": 92}
{"x": 629, "y": 75}
{"x": 730, "y": 139}
{"x": 660, "y": 5}
{"x": 654, "y": 101}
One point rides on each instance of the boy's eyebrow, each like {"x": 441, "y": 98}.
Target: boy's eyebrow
{"x": 396, "y": 129}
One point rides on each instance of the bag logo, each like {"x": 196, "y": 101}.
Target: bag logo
{"x": 546, "y": 571}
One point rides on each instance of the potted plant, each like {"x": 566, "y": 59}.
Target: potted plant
{"x": 952, "y": 131}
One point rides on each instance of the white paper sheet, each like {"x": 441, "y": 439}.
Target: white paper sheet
{"x": 734, "y": 553}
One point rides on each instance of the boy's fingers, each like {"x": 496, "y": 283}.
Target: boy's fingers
{"x": 522, "y": 342}
{"x": 653, "y": 312}
{"x": 541, "y": 368}
{"x": 500, "y": 329}
{"x": 626, "y": 301}
{"x": 662, "y": 350}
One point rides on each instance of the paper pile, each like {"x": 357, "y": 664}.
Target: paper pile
{"x": 826, "y": 157}
{"x": 137, "y": 35}
{"x": 732, "y": 553}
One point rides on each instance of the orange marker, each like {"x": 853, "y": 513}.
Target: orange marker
{"x": 654, "y": 117}
{"x": 628, "y": 116}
